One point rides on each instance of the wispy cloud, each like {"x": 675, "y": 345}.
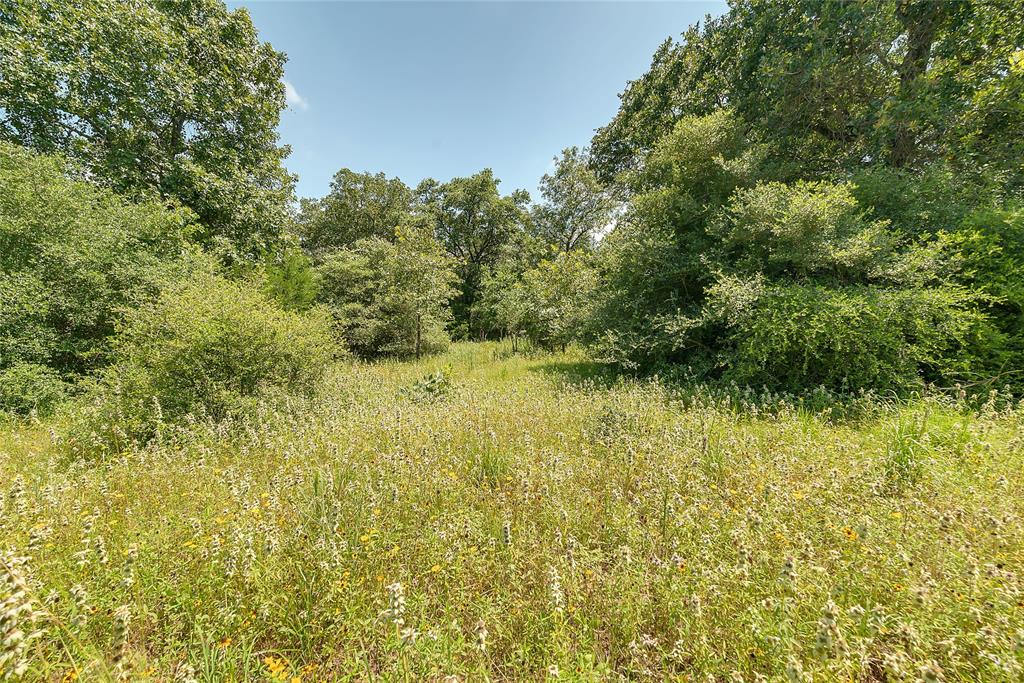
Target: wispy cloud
{"x": 293, "y": 98}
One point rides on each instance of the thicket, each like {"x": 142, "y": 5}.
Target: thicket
{"x": 208, "y": 349}
{"x": 850, "y": 219}
{"x": 73, "y": 258}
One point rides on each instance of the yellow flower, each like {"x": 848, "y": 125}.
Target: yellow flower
{"x": 225, "y": 642}
{"x": 435, "y": 569}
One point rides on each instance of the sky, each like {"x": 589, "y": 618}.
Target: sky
{"x": 444, "y": 89}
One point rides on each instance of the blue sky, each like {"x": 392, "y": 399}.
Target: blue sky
{"x": 444, "y": 89}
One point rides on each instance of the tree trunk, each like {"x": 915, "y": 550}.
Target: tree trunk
{"x": 419, "y": 333}
{"x": 921, "y": 20}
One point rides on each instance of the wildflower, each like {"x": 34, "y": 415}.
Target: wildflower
{"x": 555, "y": 585}
{"x": 828, "y": 630}
{"x": 122, "y": 618}
{"x": 506, "y": 532}
{"x": 395, "y": 613}
{"x": 481, "y": 635}
{"x": 795, "y": 671}
{"x": 408, "y": 635}
{"x": 788, "y": 575}
{"x": 17, "y": 617}
{"x": 128, "y": 580}
{"x": 82, "y": 607}
{"x": 932, "y": 673}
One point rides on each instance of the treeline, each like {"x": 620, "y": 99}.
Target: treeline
{"x": 795, "y": 195}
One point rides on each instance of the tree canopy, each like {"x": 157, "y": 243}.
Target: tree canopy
{"x": 175, "y": 99}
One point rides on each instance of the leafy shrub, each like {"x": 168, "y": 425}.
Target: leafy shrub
{"x": 864, "y": 337}
{"x": 209, "y": 348}
{"x": 290, "y": 279}
{"x": 72, "y": 257}
{"x": 390, "y": 298}
{"x": 28, "y": 387}
{"x": 548, "y": 303}
{"x": 991, "y": 250}
{"x": 433, "y": 387}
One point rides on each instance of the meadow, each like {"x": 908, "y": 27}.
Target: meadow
{"x": 484, "y": 515}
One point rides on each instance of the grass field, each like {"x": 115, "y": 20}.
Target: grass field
{"x": 525, "y": 518}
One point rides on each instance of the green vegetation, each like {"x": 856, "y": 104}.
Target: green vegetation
{"x": 73, "y": 257}
{"x": 480, "y": 514}
{"x": 739, "y": 399}
{"x": 206, "y": 349}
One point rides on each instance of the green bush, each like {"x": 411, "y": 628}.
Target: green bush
{"x": 207, "y": 349}
{"x": 795, "y": 337}
{"x": 991, "y": 251}
{"x": 72, "y": 257}
{"x": 28, "y": 387}
{"x": 390, "y": 298}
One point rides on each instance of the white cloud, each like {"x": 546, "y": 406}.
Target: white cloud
{"x": 293, "y": 98}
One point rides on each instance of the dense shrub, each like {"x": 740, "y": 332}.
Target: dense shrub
{"x": 30, "y": 387}
{"x": 390, "y": 298}
{"x": 991, "y": 249}
{"x": 72, "y": 258}
{"x": 796, "y": 337}
{"x": 791, "y": 285}
{"x": 548, "y": 304}
{"x": 209, "y": 348}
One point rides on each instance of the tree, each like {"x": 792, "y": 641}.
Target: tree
{"x": 575, "y": 208}
{"x": 172, "y": 98}
{"x": 74, "y": 258}
{"x": 473, "y": 221}
{"x": 359, "y": 206}
{"x": 830, "y": 86}
{"x": 390, "y": 297}
{"x": 788, "y": 285}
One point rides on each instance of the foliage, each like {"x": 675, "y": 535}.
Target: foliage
{"x": 792, "y": 337}
{"x": 30, "y": 388}
{"x": 359, "y": 206}
{"x": 174, "y": 99}
{"x": 208, "y": 348}
{"x": 549, "y": 304}
{"x": 430, "y": 388}
{"x": 832, "y": 86}
{"x": 785, "y": 284}
{"x": 290, "y": 278}
{"x": 991, "y": 246}
{"x": 576, "y": 209}
{"x": 473, "y": 221}
{"x": 390, "y": 297}
{"x": 502, "y": 534}
{"x": 73, "y": 257}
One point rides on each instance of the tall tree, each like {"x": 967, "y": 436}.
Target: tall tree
{"x": 170, "y": 98}
{"x": 831, "y": 86}
{"x": 575, "y": 207}
{"x": 359, "y": 206}
{"x": 473, "y": 221}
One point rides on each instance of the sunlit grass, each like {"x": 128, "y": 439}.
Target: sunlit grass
{"x": 532, "y": 519}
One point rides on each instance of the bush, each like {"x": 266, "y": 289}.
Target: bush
{"x": 207, "y": 349}
{"x": 991, "y": 250}
{"x": 30, "y": 387}
{"x": 799, "y": 336}
{"x": 390, "y": 298}
{"x": 72, "y": 257}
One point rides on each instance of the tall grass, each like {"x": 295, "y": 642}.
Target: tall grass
{"x": 482, "y": 515}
